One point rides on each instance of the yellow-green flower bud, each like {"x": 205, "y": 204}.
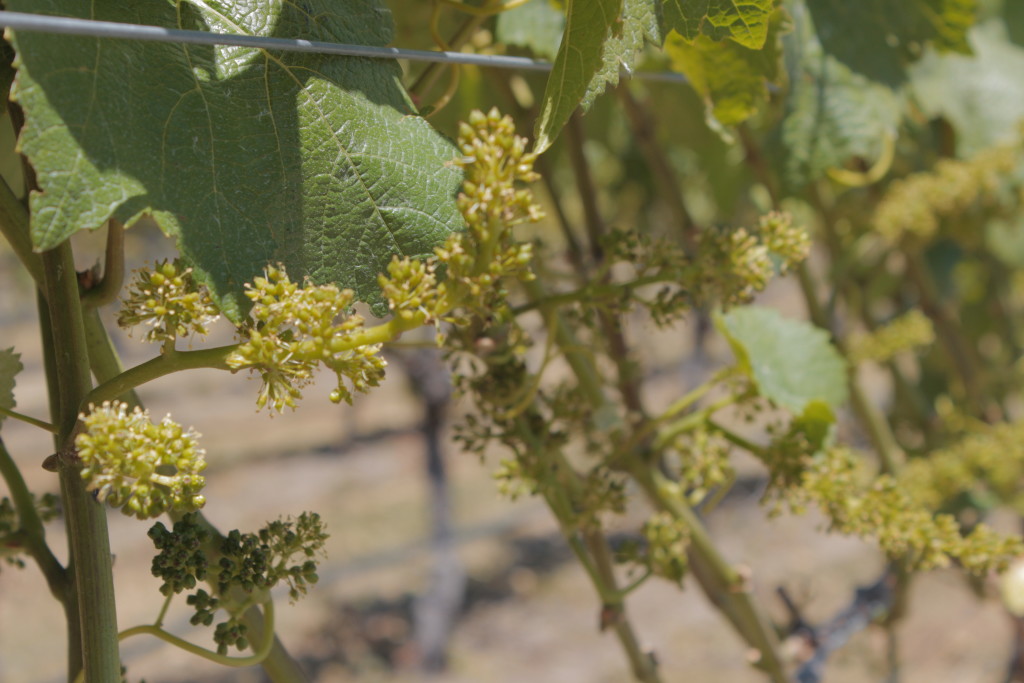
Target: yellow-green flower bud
{"x": 297, "y": 330}
{"x": 170, "y": 300}
{"x": 141, "y": 467}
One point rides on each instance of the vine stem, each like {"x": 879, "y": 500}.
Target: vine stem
{"x": 720, "y": 581}
{"x": 258, "y": 656}
{"x": 171, "y": 360}
{"x": 589, "y": 293}
{"x": 34, "y": 533}
{"x": 162, "y": 365}
{"x": 113, "y": 269}
{"x": 592, "y": 552}
{"x": 14, "y": 225}
{"x": 29, "y": 420}
{"x": 852, "y": 288}
{"x": 949, "y": 333}
{"x": 89, "y": 543}
{"x": 428, "y": 78}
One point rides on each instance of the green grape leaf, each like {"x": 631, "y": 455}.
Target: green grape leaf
{"x": 745, "y": 22}
{"x": 537, "y": 25}
{"x": 245, "y": 156}
{"x": 791, "y": 362}
{"x": 878, "y": 38}
{"x": 981, "y": 95}
{"x": 1004, "y": 238}
{"x": 817, "y": 422}
{"x": 588, "y": 24}
{"x": 601, "y": 37}
{"x": 640, "y": 24}
{"x": 10, "y": 365}
{"x": 833, "y": 113}
{"x": 731, "y": 78}
{"x": 1013, "y": 19}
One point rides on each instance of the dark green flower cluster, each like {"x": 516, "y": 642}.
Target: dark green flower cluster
{"x": 247, "y": 566}
{"x": 600, "y": 491}
{"x": 170, "y": 300}
{"x": 281, "y": 551}
{"x": 293, "y": 545}
{"x": 143, "y": 468}
{"x": 231, "y": 633}
{"x": 295, "y": 330}
{"x": 181, "y": 561}
{"x": 205, "y": 606}
{"x": 228, "y": 633}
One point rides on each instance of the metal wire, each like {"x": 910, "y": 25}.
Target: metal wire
{"x": 38, "y": 23}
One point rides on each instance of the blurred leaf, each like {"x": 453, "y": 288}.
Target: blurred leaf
{"x": 731, "y": 78}
{"x": 1005, "y": 240}
{"x": 878, "y": 38}
{"x": 833, "y": 113}
{"x": 745, "y": 22}
{"x": 246, "y": 156}
{"x": 982, "y": 95}
{"x": 817, "y": 422}
{"x": 10, "y": 365}
{"x": 537, "y": 25}
{"x": 792, "y": 362}
{"x": 1013, "y": 19}
{"x": 601, "y": 38}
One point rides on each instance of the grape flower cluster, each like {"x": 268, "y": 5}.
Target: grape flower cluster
{"x": 143, "y": 468}
{"x": 916, "y": 206}
{"x": 246, "y": 566}
{"x": 293, "y": 330}
{"x": 168, "y": 299}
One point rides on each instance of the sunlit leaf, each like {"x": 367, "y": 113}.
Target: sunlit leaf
{"x": 731, "y": 78}
{"x": 247, "y": 157}
{"x": 745, "y": 22}
{"x": 601, "y": 38}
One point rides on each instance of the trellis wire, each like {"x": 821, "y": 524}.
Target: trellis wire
{"x": 39, "y": 23}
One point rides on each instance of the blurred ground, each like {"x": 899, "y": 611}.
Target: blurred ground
{"x": 530, "y": 613}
